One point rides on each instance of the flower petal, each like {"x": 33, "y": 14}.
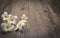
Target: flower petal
{"x": 20, "y": 28}
{"x": 15, "y": 17}
{"x": 12, "y": 28}
{"x": 22, "y": 22}
{"x": 5, "y": 12}
{"x": 10, "y": 15}
{"x": 3, "y": 25}
{"x": 23, "y": 14}
{"x": 16, "y": 28}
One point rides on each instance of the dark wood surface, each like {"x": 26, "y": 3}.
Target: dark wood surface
{"x": 43, "y": 22}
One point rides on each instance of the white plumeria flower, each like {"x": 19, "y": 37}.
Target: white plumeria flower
{"x": 12, "y": 19}
{"x": 19, "y": 25}
{"x": 7, "y": 27}
{"x": 5, "y": 16}
{"x": 24, "y": 18}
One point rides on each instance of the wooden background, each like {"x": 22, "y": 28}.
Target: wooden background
{"x": 43, "y": 21}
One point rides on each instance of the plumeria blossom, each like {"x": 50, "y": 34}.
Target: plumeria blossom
{"x": 24, "y": 18}
{"x": 5, "y": 16}
{"x": 12, "y": 19}
{"x": 7, "y": 27}
{"x": 11, "y": 24}
{"x": 19, "y": 25}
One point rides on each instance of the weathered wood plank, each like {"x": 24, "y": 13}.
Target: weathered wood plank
{"x": 3, "y": 4}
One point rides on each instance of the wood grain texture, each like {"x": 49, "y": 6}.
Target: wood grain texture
{"x": 3, "y": 3}
{"x": 43, "y": 22}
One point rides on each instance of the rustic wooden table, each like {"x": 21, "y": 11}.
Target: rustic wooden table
{"x": 43, "y": 22}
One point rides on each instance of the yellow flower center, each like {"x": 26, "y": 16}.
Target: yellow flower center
{"x": 12, "y": 19}
{"x": 23, "y": 18}
{"x": 19, "y": 25}
{"x": 7, "y": 27}
{"x": 5, "y": 16}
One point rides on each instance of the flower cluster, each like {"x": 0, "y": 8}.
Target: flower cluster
{"x": 10, "y": 23}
